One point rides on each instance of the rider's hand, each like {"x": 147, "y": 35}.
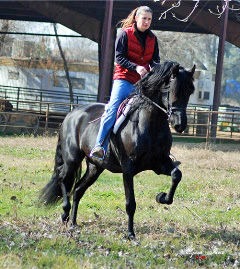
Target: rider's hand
{"x": 141, "y": 70}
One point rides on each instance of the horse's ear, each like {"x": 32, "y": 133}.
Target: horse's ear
{"x": 192, "y": 71}
{"x": 154, "y": 65}
{"x": 175, "y": 70}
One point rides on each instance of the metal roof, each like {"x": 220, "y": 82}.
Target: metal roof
{"x": 86, "y": 17}
{"x": 92, "y": 19}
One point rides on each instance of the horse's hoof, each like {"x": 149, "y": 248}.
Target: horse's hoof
{"x": 75, "y": 225}
{"x": 161, "y": 198}
{"x": 65, "y": 218}
{"x": 131, "y": 236}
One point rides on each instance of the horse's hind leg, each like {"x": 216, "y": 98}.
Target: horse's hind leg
{"x": 67, "y": 176}
{"x": 171, "y": 170}
{"x": 85, "y": 182}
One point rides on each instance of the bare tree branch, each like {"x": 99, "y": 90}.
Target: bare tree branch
{"x": 64, "y": 63}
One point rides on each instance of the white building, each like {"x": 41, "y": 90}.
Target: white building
{"x": 204, "y": 88}
{"x": 42, "y": 80}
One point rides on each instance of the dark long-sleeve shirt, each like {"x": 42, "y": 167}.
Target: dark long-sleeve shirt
{"x": 121, "y": 47}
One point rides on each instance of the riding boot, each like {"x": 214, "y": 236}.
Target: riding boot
{"x": 98, "y": 152}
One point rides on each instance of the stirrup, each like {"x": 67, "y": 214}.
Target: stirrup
{"x": 98, "y": 153}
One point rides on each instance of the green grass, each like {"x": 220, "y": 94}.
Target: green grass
{"x": 202, "y": 222}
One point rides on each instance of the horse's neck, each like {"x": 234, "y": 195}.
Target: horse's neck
{"x": 150, "y": 116}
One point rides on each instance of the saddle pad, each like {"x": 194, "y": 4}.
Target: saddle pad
{"x": 122, "y": 107}
{"x": 122, "y": 113}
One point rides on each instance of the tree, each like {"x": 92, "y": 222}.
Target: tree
{"x": 185, "y": 49}
{"x": 64, "y": 64}
{"x": 4, "y": 28}
{"x": 201, "y": 49}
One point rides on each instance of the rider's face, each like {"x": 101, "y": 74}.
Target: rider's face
{"x": 143, "y": 20}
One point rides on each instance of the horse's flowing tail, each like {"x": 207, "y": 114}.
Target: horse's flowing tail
{"x": 52, "y": 192}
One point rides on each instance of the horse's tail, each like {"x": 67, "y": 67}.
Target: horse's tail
{"x": 52, "y": 192}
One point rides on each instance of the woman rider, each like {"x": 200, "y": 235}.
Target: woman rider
{"x": 136, "y": 49}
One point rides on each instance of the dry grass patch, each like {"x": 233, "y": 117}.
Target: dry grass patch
{"x": 44, "y": 143}
{"x": 204, "y": 218}
{"x": 211, "y": 159}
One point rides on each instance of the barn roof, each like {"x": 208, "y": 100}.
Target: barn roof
{"x": 86, "y": 17}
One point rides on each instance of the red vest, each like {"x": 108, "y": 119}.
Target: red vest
{"x": 136, "y": 54}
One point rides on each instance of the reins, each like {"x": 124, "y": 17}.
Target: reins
{"x": 167, "y": 111}
{"x": 154, "y": 103}
{"x": 170, "y": 108}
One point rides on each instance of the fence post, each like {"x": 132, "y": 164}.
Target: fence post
{"x": 194, "y": 119}
{"x": 208, "y": 127}
{"x": 18, "y": 95}
{"x": 232, "y": 125}
{"x": 47, "y": 118}
{"x": 40, "y": 102}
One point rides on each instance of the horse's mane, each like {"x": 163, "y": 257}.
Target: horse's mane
{"x": 158, "y": 80}
{"x": 155, "y": 79}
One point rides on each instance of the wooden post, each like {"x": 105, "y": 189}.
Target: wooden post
{"x": 18, "y": 96}
{"x": 217, "y": 88}
{"x": 47, "y": 119}
{"x": 208, "y": 126}
{"x": 105, "y": 53}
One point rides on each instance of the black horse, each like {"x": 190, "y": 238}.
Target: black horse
{"x": 143, "y": 141}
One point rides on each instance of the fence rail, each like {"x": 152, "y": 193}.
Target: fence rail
{"x": 39, "y": 121}
{"x": 16, "y": 94}
{"x": 199, "y": 126}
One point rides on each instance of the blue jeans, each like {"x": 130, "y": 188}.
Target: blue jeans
{"x": 120, "y": 91}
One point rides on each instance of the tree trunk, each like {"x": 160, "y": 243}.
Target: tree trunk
{"x": 4, "y": 28}
{"x": 64, "y": 64}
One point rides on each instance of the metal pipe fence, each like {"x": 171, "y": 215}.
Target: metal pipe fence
{"x": 199, "y": 126}
{"x": 23, "y": 94}
{"x": 45, "y": 121}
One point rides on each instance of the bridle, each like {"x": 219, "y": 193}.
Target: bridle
{"x": 169, "y": 109}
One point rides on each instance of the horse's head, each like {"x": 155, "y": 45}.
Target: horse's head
{"x": 181, "y": 87}
{"x": 168, "y": 86}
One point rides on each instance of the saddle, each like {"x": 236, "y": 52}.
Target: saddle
{"x": 122, "y": 113}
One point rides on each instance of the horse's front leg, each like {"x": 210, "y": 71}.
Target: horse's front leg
{"x": 130, "y": 202}
{"x": 167, "y": 198}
